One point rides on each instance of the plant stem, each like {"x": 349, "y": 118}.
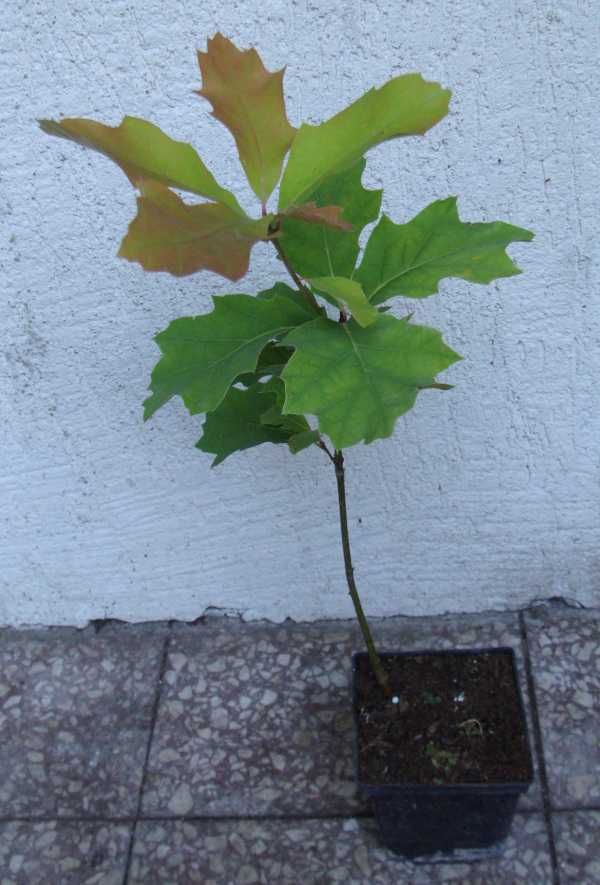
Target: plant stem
{"x": 378, "y": 670}
{"x": 338, "y": 461}
{"x": 304, "y": 290}
{"x": 323, "y": 446}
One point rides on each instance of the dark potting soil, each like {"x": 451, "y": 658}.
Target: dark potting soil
{"x": 457, "y": 720}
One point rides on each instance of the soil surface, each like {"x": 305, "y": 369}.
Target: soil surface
{"x": 457, "y": 719}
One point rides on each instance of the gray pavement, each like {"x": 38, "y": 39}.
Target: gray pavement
{"x": 220, "y": 753}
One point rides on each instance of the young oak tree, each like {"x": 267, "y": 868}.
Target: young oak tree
{"x": 258, "y": 365}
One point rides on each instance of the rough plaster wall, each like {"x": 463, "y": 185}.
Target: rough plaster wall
{"x": 486, "y": 497}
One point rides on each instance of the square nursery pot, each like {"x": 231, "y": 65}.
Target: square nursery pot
{"x": 445, "y": 761}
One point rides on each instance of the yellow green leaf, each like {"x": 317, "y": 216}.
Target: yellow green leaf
{"x": 348, "y": 294}
{"x": 248, "y": 99}
{"x": 168, "y": 234}
{"x": 406, "y": 105}
{"x": 143, "y": 152}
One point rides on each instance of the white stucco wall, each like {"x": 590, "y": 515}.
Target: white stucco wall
{"x": 485, "y": 497}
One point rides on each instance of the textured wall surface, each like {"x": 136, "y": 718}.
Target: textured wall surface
{"x": 485, "y": 497}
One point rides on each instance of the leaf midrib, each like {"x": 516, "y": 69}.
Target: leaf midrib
{"x": 366, "y": 371}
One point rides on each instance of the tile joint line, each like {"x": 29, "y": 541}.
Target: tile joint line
{"x": 154, "y": 716}
{"x": 539, "y": 749}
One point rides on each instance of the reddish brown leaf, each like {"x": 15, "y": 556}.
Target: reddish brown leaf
{"x": 167, "y": 234}
{"x": 330, "y": 216}
{"x": 248, "y": 99}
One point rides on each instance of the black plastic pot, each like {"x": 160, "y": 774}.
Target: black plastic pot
{"x": 421, "y": 820}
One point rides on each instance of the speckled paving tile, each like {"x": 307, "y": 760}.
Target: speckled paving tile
{"x": 75, "y": 712}
{"x": 565, "y": 657}
{"x": 63, "y": 853}
{"x": 256, "y": 719}
{"x": 577, "y": 837}
{"x": 319, "y": 852}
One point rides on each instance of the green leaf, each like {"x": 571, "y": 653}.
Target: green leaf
{"x": 359, "y": 381}
{"x": 240, "y": 422}
{"x": 271, "y": 361}
{"x": 290, "y": 423}
{"x": 275, "y": 388}
{"x": 144, "y": 152}
{"x": 410, "y": 259}
{"x": 273, "y": 357}
{"x": 300, "y": 441}
{"x": 282, "y": 290}
{"x": 235, "y": 424}
{"x": 406, "y": 105}
{"x": 318, "y": 251}
{"x": 347, "y": 293}
{"x": 300, "y": 434}
{"x": 203, "y": 355}
{"x": 248, "y": 99}
{"x": 169, "y": 235}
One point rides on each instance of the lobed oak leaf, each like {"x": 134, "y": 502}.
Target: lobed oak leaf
{"x": 143, "y": 152}
{"x": 406, "y": 105}
{"x": 249, "y": 417}
{"x": 248, "y": 99}
{"x": 411, "y": 259}
{"x": 170, "y": 235}
{"x": 236, "y": 424}
{"x": 358, "y": 381}
{"x": 202, "y": 356}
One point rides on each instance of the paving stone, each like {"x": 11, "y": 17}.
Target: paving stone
{"x": 63, "y": 853}
{"x": 319, "y": 852}
{"x": 565, "y": 655}
{"x": 578, "y": 846}
{"x": 256, "y": 719}
{"x": 75, "y": 713}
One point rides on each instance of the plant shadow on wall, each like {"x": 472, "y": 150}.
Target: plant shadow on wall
{"x": 327, "y": 347}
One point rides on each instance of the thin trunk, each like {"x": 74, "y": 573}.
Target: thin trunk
{"x": 338, "y": 461}
{"x": 378, "y": 670}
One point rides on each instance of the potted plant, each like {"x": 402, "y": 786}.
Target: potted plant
{"x": 441, "y": 740}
